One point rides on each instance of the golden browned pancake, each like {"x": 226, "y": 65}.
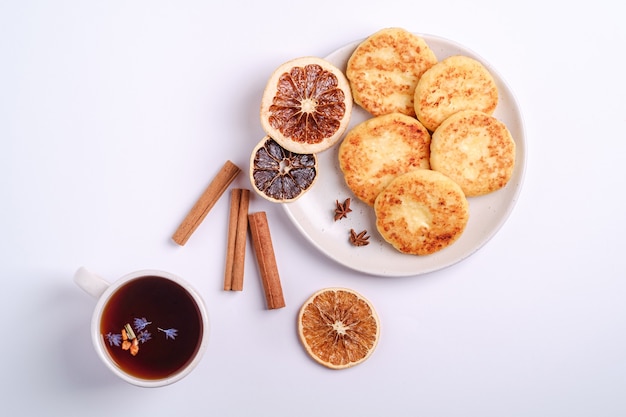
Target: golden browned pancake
{"x": 474, "y": 149}
{"x": 384, "y": 69}
{"x": 454, "y": 84}
{"x": 421, "y": 212}
{"x": 379, "y": 149}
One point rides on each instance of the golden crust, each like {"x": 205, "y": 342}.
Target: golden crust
{"x": 384, "y": 69}
{"x": 476, "y": 150}
{"x": 379, "y": 149}
{"x": 454, "y": 84}
{"x": 421, "y": 212}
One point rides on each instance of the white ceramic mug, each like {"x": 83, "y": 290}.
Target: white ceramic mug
{"x": 157, "y": 336}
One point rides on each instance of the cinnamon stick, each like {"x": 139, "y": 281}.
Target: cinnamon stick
{"x": 205, "y": 203}
{"x": 235, "y": 199}
{"x": 266, "y": 259}
{"x": 237, "y": 235}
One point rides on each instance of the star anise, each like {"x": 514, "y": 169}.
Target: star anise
{"x": 342, "y": 209}
{"x": 359, "y": 239}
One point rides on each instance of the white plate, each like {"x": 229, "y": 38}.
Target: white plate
{"x": 313, "y": 213}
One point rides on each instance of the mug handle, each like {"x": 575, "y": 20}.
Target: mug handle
{"x": 89, "y": 282}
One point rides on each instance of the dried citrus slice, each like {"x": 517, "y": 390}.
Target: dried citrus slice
{"x": 306, "y": 105}
{"x": 338, "y": 327}
{"x": 280, "y": 175}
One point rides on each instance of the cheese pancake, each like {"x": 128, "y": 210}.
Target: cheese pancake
{"x": 379, "y": 149}
{"x": 421, "y": 212}
{"x": 454, "y": 84}
{"x": 474, "y": 149}
{"x": 384, "y": 69}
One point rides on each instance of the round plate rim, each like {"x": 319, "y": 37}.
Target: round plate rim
{"x": 349, "y": 257}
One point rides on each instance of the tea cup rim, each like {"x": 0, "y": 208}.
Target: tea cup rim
{"x": 99, "y": 344}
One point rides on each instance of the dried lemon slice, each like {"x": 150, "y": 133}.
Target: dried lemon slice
{"x": 338, "y": 327}
{"x": 280, "y": 175}
{"x": 306, "y": 105}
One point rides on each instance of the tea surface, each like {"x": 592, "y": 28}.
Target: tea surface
{"x": 164, "y": 320}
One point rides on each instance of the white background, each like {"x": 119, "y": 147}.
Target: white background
{"x": 114, "y": 115}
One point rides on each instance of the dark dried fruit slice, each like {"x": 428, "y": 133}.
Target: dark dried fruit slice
{"x": 306, "y": 105}
{"x": 280, "y": 175}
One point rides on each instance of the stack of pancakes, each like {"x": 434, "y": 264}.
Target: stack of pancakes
{"x": 431, "y": 142}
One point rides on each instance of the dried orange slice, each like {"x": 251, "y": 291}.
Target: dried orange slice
{"x": 280, "y": 175}
{"x": 338, "y": 327}
{"x": 306, "y": 105}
